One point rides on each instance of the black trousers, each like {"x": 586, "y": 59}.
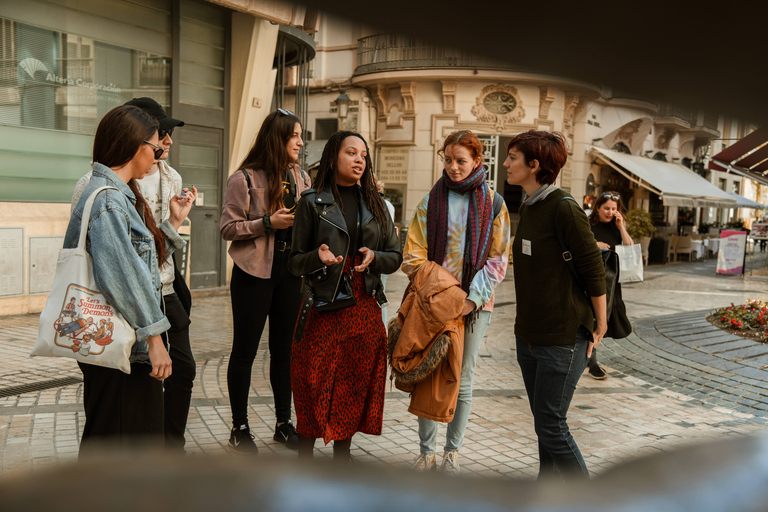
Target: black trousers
{"x": 178, "y": 387}
{"x": 123, "y": 410}
{"x": 253, "y": 299}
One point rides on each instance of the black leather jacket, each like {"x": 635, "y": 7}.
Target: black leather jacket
{"x": 319, "y": 220}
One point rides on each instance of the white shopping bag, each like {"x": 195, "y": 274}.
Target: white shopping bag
{"x": 630, "y": 262}
{"x": 77, "y": 322}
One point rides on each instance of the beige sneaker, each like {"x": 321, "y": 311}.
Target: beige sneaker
{"x": 450, "y": 463}
{"x": 424, "y": 462}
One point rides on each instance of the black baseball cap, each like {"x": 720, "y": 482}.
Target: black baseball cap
{"x": 154, "y": 109}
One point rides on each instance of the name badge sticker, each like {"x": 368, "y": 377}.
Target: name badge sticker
{"x": 527, "y": 247}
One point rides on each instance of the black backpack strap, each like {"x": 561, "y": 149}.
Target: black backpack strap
{"x": 567, "y": 256}
{"x": 247, "y": 178}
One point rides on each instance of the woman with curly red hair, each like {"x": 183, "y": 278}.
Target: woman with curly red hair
{"x": 462, "y": 225}
{"x": 557, "y": 326}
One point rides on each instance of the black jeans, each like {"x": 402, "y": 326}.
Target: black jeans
{"x": 121, "y": 409}
{"x": 253, "y": 299}
{"x": 550, "y": 374}
{"x": 178, "y": 387}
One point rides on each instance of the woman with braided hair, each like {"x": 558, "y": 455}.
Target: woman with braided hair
{"x": 344, "y": 239}
{"x": 463, "y": 226}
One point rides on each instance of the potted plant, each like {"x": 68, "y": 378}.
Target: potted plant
{"x": 639, "y": 224}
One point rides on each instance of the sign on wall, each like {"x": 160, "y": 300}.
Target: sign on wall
{"x": 393, "y": 165}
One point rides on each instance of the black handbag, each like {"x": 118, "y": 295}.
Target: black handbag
{"x": 619, "y": 325}
{"x": 344, "y": 297}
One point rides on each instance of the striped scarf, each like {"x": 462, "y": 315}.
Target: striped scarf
{"x": 479, "y": 222}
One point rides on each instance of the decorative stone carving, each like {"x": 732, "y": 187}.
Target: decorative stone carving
{"x": 449, "y": 97}
{"x": 546, "y": 97}
{"x": 572, "y": 101}
{"x": 408, "y": 92}
{"x": 498, "y": 104}
{"x": 627, "y": 132}
{"x": 380, "y": 95}
{"x": 664, "y": 136}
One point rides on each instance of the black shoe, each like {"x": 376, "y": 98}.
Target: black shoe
{"x": 241, "y": 441}
{"x": 596, "y": 372}
{"x": 286, "y": 433}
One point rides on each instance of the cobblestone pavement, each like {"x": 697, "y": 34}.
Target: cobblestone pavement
{"x": 675, "y": 380}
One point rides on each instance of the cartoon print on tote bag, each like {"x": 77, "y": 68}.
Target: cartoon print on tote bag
{"x": 85, "y": 321}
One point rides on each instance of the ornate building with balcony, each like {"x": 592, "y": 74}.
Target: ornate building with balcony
{"x": 405, "y": 96}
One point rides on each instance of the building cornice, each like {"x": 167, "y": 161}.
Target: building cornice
{"x": 470, "y": 75}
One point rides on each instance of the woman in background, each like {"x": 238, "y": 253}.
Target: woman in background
{"x": 609, "y": 227}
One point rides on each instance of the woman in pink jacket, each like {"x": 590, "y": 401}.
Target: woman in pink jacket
{"x": 257, "y": 217}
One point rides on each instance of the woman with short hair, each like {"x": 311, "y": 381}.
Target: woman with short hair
{"x": 557, "y": 325}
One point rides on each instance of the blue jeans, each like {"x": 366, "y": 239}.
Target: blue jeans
{"x": 455, "y": 436}
{"x": 550, "y": 374}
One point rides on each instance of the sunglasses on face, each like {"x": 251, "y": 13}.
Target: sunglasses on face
{"x": 162, "y": 133}
{"x": 613, "y": 197}
{"x": 158, "y": 151}
{"x": 286, "y": 112}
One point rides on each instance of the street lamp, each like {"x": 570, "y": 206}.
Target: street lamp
{"x": 342, "y": 103}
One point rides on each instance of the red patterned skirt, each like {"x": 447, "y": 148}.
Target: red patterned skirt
{"x": 339, "y": 368}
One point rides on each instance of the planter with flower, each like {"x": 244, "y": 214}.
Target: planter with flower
{"x": 749, "y": 320}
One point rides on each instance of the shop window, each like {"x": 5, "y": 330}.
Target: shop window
{"x": 54, "y": 89}
{"x": 60, "y": 81}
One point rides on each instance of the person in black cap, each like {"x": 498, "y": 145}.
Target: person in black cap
{"x": 158, "y": 187}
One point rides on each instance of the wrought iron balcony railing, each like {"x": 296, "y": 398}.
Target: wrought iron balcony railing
{"x": 383, "y": 52}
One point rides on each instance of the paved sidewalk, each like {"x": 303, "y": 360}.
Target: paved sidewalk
{"x": 675, "y": 380}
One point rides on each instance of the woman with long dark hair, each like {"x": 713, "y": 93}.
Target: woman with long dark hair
{"x": 126, "y": 246}
{"x": 463, "y": 226}
{"x": 557, "y": 325}
{"x": 344, "y": 240}
{"x": 257, "y": 217}
{"x": 609, "y": 227}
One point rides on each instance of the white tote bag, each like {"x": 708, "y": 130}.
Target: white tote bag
{"x": 630, "y": 263}
{"x": 77, "y": 322}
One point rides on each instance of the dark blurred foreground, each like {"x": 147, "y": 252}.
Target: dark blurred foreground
{"x": 723, "y": 476}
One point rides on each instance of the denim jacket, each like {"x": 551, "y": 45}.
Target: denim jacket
{"x": 170, "y": 186}
{"x": 125, "y": 261}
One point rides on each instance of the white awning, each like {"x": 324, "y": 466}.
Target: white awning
{"x": 677, "y": 185}
{"x": 745, "y": 202}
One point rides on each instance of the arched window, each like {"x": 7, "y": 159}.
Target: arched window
{"x": 660, "y": 156}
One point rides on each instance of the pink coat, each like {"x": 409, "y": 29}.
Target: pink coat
{"x": 241, "y": 220}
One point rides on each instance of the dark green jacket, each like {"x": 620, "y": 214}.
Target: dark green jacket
{"x": 550, "y": 306}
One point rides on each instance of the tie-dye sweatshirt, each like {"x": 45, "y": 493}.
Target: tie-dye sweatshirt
{"x": 481, "y": 288}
